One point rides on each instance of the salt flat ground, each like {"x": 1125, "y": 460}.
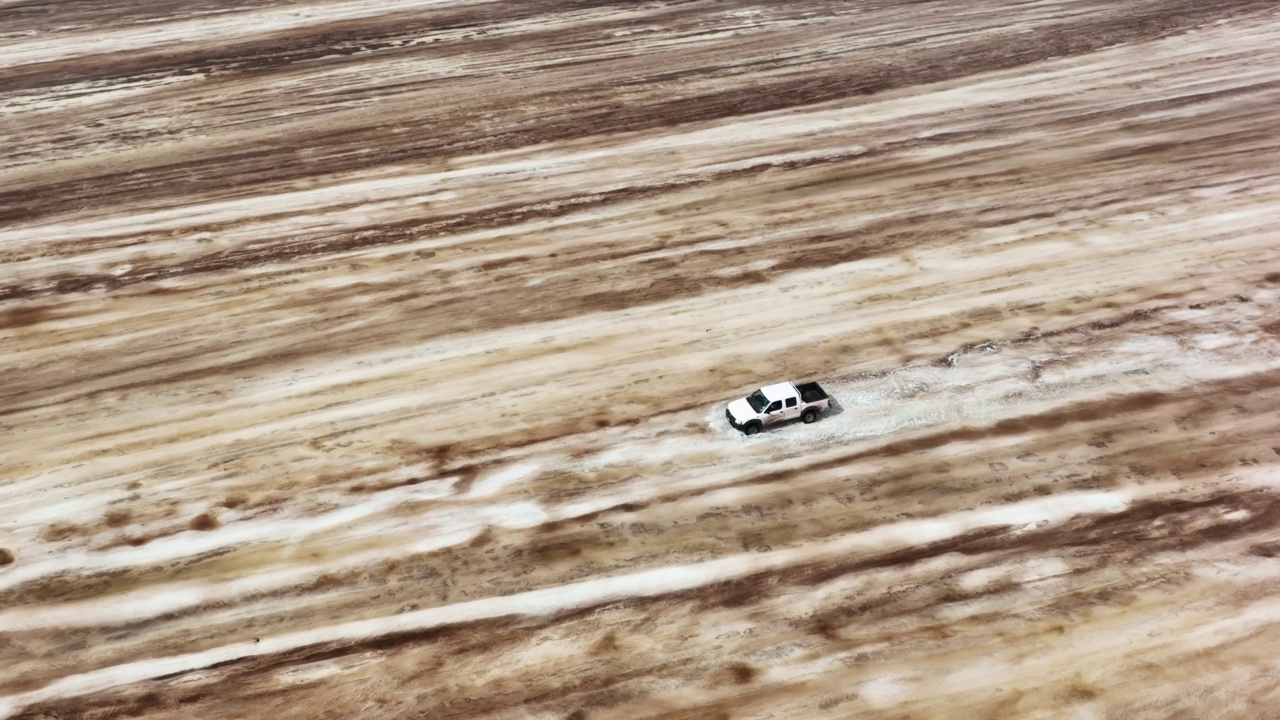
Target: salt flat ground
{"x": 368, "y": 360}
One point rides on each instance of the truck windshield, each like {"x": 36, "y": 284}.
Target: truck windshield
{"x": 757, "y": 401}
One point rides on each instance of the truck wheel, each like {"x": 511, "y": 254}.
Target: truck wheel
{"x": 809, "y": 416}
{"x": 751, "y": 429}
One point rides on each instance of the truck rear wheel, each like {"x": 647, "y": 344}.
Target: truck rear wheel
{"x": 751, "y": 429}
{"x": 809, "y": 416}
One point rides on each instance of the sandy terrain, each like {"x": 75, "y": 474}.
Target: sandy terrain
{"x": 369, "y": 360}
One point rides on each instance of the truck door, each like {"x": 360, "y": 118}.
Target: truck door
{"x": 791, "y": 408}
{"x": 773, "y": 413}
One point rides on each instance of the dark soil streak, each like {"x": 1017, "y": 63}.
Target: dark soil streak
{"x": 599, "y": 110}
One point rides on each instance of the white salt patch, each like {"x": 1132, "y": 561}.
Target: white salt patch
{"x": 518, "y": 515}
{"x": 1021, "y": 514}
{"x": 1214, "y": 341}
{"x": 495, "y": 482}
{"x": 982, "y": 577}
{"x": 439, "y": 541}
{"x": 885, "y": 690}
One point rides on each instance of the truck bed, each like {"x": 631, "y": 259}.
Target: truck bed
{"x": 811, "y": 392}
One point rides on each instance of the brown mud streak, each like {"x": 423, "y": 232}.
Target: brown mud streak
{"x": 242, "y": 168}
{"x": 688, "y": 279}
{"x": 552, "y": 300}
{"x": 383, "y": 235}
{"x": 317, "y": 46}
{"x": 1124, "y": 536}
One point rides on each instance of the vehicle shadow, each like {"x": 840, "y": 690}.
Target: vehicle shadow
{"x": 835, "y": 408}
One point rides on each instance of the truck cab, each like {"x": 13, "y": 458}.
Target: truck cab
{"x": 777, "y": 403}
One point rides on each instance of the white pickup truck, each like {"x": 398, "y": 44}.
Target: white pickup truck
{"x": 775, "y": 403}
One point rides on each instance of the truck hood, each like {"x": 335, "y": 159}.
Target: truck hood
{"x": 741, "y": 411}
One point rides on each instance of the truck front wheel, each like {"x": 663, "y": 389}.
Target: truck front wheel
{"x": 809, "y": 416}
{"x": 751, "y": 428}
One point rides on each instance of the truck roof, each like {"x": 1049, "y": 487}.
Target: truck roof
{"x": 778, "y": 391}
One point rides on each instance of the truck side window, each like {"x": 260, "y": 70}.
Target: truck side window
{"x": 791, "y": 402}
{"x": 774, "y": 406}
